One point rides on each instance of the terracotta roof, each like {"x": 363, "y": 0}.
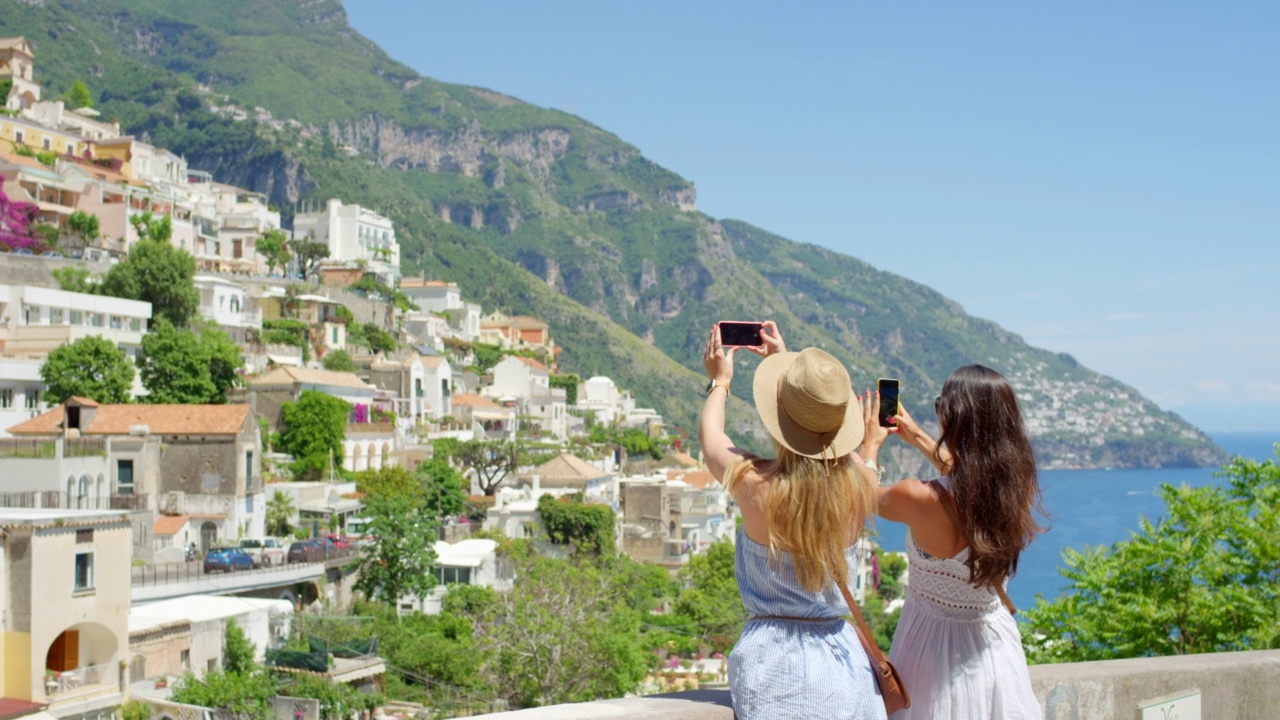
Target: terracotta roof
{"x": 531, "y": 363}
{"x": 524, "y": 321}
{"x": 289, "y": 375}
{"x": 467, "y": 399}
{"x": 169, "y": 524}
{"x": 13, "y": 42}
{"x": 432, "y": 361}
{"x": 699, "y": 478}
{"x": 13, "y": 707}
{"x": 412, "y": 282}
{"x": 159, "y": 419}
{"x": 684, "y": 459}
{"x": 568, "y": 470}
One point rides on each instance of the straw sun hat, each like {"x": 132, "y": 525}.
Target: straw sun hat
{"x": 807, "y": 403}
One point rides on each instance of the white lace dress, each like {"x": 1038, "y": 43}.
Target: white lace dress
{"x": 957, "y": 647}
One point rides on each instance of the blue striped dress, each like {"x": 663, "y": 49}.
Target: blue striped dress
{"x": 794, "y": 670}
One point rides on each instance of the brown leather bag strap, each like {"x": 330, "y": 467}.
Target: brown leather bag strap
{"x": 949, "y": 505}
{"x": 869, "y": 645}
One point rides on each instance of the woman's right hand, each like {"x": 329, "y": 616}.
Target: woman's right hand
{"x": 771, "y": 341}
{"x": 915, "y": 435}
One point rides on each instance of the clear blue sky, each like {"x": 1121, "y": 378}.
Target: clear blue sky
{"x": 1101, "y": 177}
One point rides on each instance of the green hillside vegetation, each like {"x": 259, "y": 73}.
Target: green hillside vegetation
{"x": 536, "y": 211}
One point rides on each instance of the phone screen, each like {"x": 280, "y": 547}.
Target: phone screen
{"x": 888, "y": 401}
{"x": 740, "y": 334}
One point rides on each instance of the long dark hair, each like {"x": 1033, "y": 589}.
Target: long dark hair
{"x": 993, "y": 471}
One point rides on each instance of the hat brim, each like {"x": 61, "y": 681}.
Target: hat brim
{"x": 784, "y": 430}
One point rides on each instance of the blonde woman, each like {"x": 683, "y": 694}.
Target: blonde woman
{"x": 801, "y": 512}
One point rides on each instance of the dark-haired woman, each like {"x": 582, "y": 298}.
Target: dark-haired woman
{"x": 957, "y": 646}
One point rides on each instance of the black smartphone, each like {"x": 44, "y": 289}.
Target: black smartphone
{"x": 888, "y": 400}
{"x": 734, "y": 333}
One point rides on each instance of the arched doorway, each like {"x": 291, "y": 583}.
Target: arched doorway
{"x": 358, "y": 462}
{"x": 208, "y": 536}
{"x": 82, "y": 492}
{"x": 138, "y": 669}
{"x": 386, "y": 454}
{"x": 83, "y": 655}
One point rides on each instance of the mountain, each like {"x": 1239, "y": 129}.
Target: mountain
{"x": 536, "y": 211}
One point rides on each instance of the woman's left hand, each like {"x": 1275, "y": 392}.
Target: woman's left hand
{"x": 875, "y": 434}
{"x": 717, "y": 361}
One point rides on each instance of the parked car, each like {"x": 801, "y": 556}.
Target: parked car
{"x": 227, "y": 559}
{"x": 339, "y": 542}
{"x": 265, "y": 552}
{"x": 54, "y": 254}
{"x": 306, "y": 551}
{"x": 23, "y": 251}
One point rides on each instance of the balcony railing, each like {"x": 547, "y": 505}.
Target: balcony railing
{"x": 57, "y": 500}
{"x": 69, "y": 681}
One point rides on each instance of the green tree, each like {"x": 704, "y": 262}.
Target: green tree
{"x": 86, "y": 228}
{"x": 563, "y": 633}
{"x": 390, "y": 481}
{"x": 273, "y": 246}
{"x": 79, "y": 96}
{"x": 173, "y": 368}
{"x": 314, "y": 428}
{"x": 339, "y": 361}
{"x": 401, "y": 557}
{"x": 309, "y": 254}
{"x": 279, "y": 511}
{"x": 149, "y": 227}
{"x": 445, "y": 488}
{"x": 237, "y": 650}
{"x": 570, "y": 383}
{"x": 486, "y": 356}
{"x": 182, "y": 366}
{"x": 158, "y": 273}
{"x": 1203, "y": 578}
{"x": 244, "y": 696}
{"x": 76, "y": 279}
{"x": 490, "y": 460}
{"x": 91, "y": 367}
{"x": 570, "y": 521}
{"x": 710, "y": 597}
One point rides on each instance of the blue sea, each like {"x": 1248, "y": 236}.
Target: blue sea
{"x": 1097, "y": 507}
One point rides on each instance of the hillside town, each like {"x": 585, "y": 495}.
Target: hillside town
{"x": 226, "y": 488}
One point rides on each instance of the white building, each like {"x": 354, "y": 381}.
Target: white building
{"x": 353, "y": 234}
{"x": 473, "y": 561}
{"x": 445, "y": 298}
{"x": 227, "y": 304}
{"x": 37, "y": 319}
{"x": 170, "y": 638}
{"x": 21, "y": 392}
{"x": 520, "y": 378}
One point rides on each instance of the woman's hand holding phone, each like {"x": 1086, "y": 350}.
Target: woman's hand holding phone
{"x": 771, "y": 341}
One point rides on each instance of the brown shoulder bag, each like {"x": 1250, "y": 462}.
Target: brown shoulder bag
{"x": 892, "y": 690}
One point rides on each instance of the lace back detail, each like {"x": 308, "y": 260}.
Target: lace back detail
{"x": 942, "y": 585}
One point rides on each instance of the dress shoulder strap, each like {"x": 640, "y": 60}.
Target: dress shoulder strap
{"x": 948, "y": 502}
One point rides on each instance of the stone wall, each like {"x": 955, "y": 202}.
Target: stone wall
{"x": 1230, "y": 685}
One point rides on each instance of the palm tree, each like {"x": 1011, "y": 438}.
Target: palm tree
{"x": 279, "y": 510}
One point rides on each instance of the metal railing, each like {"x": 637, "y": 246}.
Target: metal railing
{"x": 58, "y": 500}
{"x": 46, "y": 448}
{"x": 67, "y": 681}
{"x": 194, "y": 570}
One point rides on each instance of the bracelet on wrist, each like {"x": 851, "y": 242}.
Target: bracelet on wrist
{"x": 876, "y": 467}
{"x": 717, "y": 384}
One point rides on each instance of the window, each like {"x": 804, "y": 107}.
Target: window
{"x": 84, "y": 536}
{"x": 95, "y": 319}
{"x": 335, "y": 336}
{"x": 185, "y": 658}
{"x": 135, "y": 324}
{"x": 33, "y": 400}
{"x": 248, "y": 470}
{"x": 71, "y": 148}
{"x": 116, "y": 323}
{"x": 17, "y": 136}
{"x": 84, "y": 571}
{"x": 48, "y": 143}
{"x": 124, "y": 477}
{"x": 76, "y": 317}
{"x": 460, "y": 575}
{"x": 6, "y": 398}
{"x": 55, "y": 316}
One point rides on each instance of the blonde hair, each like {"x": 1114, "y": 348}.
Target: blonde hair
{"x": 816, "y": 509}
